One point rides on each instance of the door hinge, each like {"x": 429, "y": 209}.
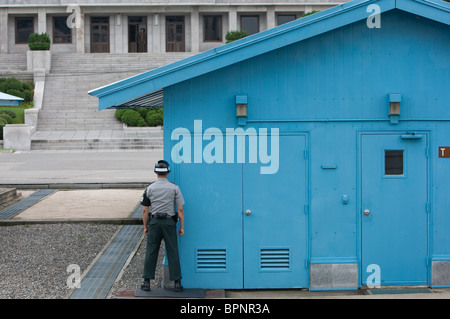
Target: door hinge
{"x": 306, "y": 209}
{"x": 306, "y": 263}
{"x": 427, "y": 207}
{"x": 305, "y": 154}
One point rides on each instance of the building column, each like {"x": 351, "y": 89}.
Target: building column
{"x": 271, "y": 19}
{"x": 232, "y": 19}
{"x": 79, "y": 34}
{"x": 195, "y": 30}
{"x": 157, "y": 29}
{"x": 42, "y": 20}
{"x": 3, "y": 30}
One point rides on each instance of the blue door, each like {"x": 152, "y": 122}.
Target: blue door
{"x": 394, "y": 217}
{"x": 275, "y": 231}
{"x": 211, "y": 249}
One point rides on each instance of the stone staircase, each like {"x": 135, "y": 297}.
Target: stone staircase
{"x": 69, "y": 118}
{"x": 14, "y": 65}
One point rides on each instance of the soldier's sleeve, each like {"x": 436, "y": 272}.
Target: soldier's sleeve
{"x": 145, "y": 201}
{"x": 179, "y": 200}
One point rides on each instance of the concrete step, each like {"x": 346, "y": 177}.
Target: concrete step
{"x": 8, "y": 196}
{"x": 13, "y": 62}
{"x": 67, "y": 106}
{"x": 97, "y": 144}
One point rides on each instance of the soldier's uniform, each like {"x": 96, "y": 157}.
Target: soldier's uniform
{"x": 161, "y": 198}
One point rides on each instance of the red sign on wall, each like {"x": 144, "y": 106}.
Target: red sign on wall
{"x": 444, "y": 151}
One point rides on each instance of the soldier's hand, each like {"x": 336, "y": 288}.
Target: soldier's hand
{"x": 145, "y": 230}
{"x": 181, "y": 232}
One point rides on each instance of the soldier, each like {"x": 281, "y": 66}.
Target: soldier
{"x": 158, "y": 207}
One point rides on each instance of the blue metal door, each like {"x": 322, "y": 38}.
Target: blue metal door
{"x": 394, "y": 209}
{"x": 275, "y": 231}
{"x": 211, "y": 249}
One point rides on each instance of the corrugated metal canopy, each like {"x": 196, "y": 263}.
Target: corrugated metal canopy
{"x": 150, "y": 100}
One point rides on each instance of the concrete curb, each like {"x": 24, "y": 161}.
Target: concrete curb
{"x": 112, "y": 221}
{"x": 61, "y": 186}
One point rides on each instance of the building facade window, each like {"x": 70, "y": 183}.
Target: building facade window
{"x": 137, "y": 34}
{"x": 285, "y": 18}
{"x": 250, "y": 24}
{"x": 100, "y": 35}
{"x": 61, "y": 32}
{"x": 212, "y": 28}
{"x": 175, "y": 41}
{"x": 24, "y": 27}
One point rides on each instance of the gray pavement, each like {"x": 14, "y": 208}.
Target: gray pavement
{"x": 21, "y": 169}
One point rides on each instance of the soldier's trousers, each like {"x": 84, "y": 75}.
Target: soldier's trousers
{"x": 159, "y": 229}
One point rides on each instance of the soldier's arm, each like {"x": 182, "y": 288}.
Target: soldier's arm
{"x": 181, "y": 217}
{"x": 145, "y": 218}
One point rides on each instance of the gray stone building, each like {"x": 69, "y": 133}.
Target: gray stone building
{"x": 134, "y": 36}
{"x": 152, "y": 26}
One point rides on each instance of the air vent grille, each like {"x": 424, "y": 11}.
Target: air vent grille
{"x": 275, "y": 259}
{"x": 211, "y": 260}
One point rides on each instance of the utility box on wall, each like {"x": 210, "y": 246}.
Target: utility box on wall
{"x": 309, "y": 154}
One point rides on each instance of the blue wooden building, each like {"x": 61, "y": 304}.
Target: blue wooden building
{"x": 315, "y": 154}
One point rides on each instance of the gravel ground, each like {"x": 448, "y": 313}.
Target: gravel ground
{"x": 34, "y": 258}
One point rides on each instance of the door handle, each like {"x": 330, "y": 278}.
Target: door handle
{"x": 248, "y": 212}
{"x": 366, "y": 212}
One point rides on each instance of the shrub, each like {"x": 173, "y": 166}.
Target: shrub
{"x": 16, "y": 93}
{"x": 8, "y": 119}
{"x": 28, "y": 95}
{"x": 308, "y": 13}
{"x": 9, "y": 112}
{"x": 119, "y": 113}
{"x": 143, "y": 112}
{"x": 141, "y": 122}
{"x": 235, "y": 35}
{"x": 17, "y": 88}
{"x": 38, "y": 41}
{"x": 155, "y": 117}
{"x": 131, "y": 117}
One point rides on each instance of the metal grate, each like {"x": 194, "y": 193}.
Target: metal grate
{"x": 275, "y": 259}
{"x": 17, "y": 208}
{"x": 100, "y": 278}
{"x": 211, "y": 260}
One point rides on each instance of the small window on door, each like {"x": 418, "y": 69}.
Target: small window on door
{"x": 393, "y": 162}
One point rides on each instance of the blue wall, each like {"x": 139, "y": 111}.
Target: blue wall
{"x": 331, "y": 88}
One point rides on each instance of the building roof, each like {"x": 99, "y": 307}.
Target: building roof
{"x": 139, "y": 86}
{"x": 9, "y": 100}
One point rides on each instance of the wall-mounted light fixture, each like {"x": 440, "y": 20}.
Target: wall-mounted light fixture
{"x": 394, "y": 107}
{"x": 241, "y": 109}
